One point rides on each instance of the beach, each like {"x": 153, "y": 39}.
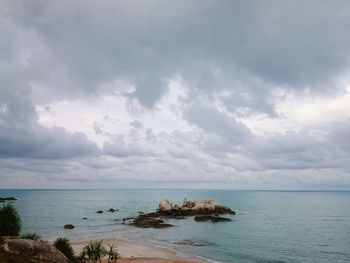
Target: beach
{"x": 133, "y": 251}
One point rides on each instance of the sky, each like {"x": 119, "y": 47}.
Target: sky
{"x": 175, "y": 94}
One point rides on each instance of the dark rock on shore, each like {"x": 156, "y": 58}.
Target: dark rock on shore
{"x": 68, "y": 226}
{"x": 26, "y": 250}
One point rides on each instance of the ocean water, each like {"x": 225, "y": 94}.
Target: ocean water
{"x": 270, "y": 226}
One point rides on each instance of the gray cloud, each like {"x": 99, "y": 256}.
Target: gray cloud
{"x": 298, "y": 44}
{"x": 120, "y": 148}
{"x": 231, "y": 55}
{"x": 211, "y": 120}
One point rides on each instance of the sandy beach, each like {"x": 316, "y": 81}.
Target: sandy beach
{"x": 132, "y": 251}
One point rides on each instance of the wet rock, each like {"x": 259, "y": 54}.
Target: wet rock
{"x": 68, "y": 226}
{"x": 99, "y": 212}
{"x": 212, "y": 218}
{"x": 149, "y": 222}
{"x": 26, "y": 250}
{"x": 220, "y": 219}
{"x": 112, "y": 210}
{"x": 128, "y": 218}
{"x": 84, "y": 218}
{"x": 202, "y": 218}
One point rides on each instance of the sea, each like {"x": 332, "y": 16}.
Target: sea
{"x": 270, "y": 226}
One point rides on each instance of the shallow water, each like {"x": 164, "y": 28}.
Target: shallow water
{"x": 271, "y": 226}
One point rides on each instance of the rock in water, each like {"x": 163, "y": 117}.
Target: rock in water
{"x": 149, "y": 222}
{"x": 165, "y": 205}
{"x": 68, "y": 226}
{"x": 112, "y": 210}
{"x": 202, "y": 218}
{"x": 24, "y": 250}
{"x": 207, "y": 210}
{"x": 99, "y": 212}
{"x": 212, "y": 218}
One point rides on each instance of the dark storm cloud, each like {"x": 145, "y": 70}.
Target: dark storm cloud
{"x": 296, "y": 43}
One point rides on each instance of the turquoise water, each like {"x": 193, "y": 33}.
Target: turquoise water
{"x": 271, "y": 226}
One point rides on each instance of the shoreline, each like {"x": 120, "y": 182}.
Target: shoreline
{"x": 139, "y": 251}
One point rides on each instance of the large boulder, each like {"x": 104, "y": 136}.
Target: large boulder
{"x": 26, "y": 250}
{"x": 165, "y": 205}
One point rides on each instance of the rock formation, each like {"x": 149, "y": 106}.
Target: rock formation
{"x": 207, "y": 210}
{"x": 25, "y": 250}
{"x": 68, "y": 226}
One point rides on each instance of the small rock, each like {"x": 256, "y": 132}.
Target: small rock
{"x": 99, "y": 212}
{"x": 68, "y": 226}
{"x": 112, "y": 210}
{"x": 220, "y": 219}
{"x": 202, "y": 218}
{"x": 84, "y": 218}
{"x": 212, "y": 218}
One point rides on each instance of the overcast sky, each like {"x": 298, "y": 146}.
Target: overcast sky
{"x": 195, "y": 94}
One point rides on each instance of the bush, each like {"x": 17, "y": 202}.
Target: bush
{"x": 94, "y": 251}
{"x": 63, "y": 245}
{"x": 32, "y": 236}
{"x": 10, "y": 221}
{"x": 112, "y": 254}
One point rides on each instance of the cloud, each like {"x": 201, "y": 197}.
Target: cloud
{"x": 22, "y": 136}
{"x": 211, "y": 120}
{"x": 119, "y": 148}
{"x": 214, "y": 45}
{"x": 224, "y": 93}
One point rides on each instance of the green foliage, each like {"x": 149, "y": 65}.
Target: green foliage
{"x": 63, "y": 245}
{"x": 94, "y": 251}
{"x": 112, "y": 254}
{"x": 82, "y": 258}
{"x": 32, "y": 236}
{"x": 10, "y": 221}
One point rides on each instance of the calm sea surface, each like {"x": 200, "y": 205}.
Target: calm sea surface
{"x": 270, "y": 226}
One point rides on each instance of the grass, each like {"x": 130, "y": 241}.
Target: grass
{"x": 95, "y": 251}
{"x": 63, "y": 245}
{"x": 10, "y": 221}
